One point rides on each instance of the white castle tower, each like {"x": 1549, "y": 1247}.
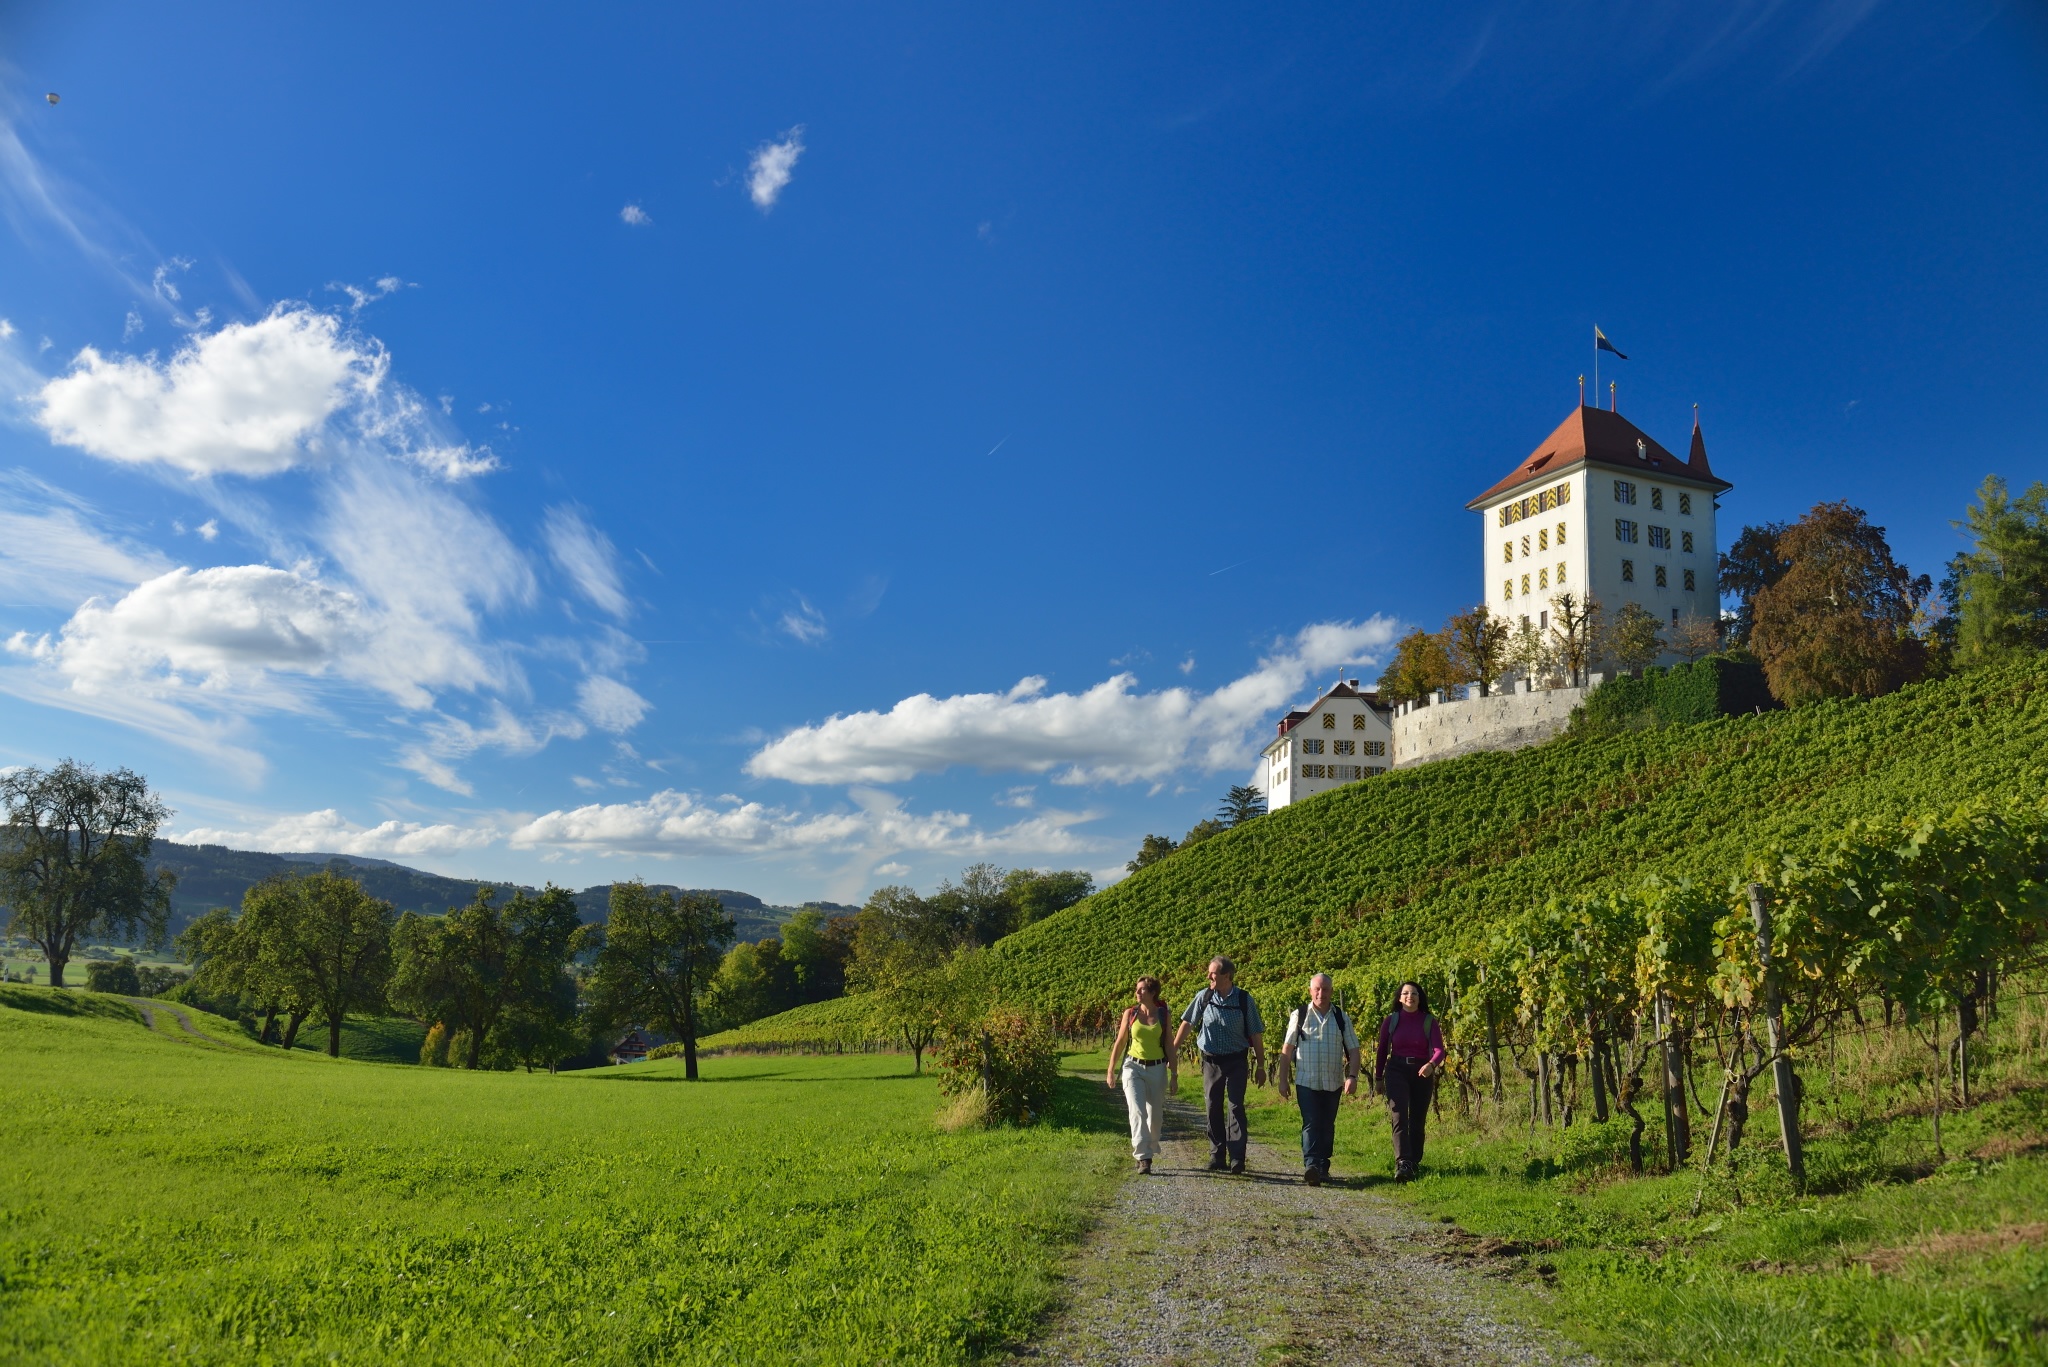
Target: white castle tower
{"x": 1599, "y": 507}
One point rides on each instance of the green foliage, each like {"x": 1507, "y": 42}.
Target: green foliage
{"x": 113, "y": 975}
{"x": 1374, "y": 879}
{"x": 661, "y": 953}
{"x": 1009, "y": 1056}
{"x": 1718, "y": 686}
{"x": 1240, "y": 804}
{"x": 1421, "y": 665}
{"x": 1476, "y": 643}
{"x": 2002, "y": 581}
{"x": 1835, "y": 624}
{"x": 288, "y": 1209}
{"x": 1150, "y": 851}
{"x": 1634, "y": 639}
{"x": 74, "y": 858}
{"x": 472, "y": 969}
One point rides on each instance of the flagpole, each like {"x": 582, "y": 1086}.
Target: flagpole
{"x": 1596, "y": 363}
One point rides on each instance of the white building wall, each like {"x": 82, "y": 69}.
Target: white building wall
{"x": 1298, "y": 764}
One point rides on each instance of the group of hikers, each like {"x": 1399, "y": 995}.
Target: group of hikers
{"x": 1320, "y": 1060}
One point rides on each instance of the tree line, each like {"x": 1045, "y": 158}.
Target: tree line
{"x": 1822, "y": 604}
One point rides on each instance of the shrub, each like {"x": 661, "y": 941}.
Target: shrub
{"x": 1010, "y": 1057}
{"x": 434, "y": 1049}
{"x": 155, "y": 980}
{"x": 117, "y": 975}
{"x": 1717, "y": 686}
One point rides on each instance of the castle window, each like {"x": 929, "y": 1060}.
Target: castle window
{"x": 1543, "y": 539}
{"x": 1543, "y": 579}
{"x": 1543, "y": 620}
{"x": 1628, "y": 571}
{"x": 1560, "y": 533}
{"x": 1685, "y": 503}
{"x": 1507, "y": 588}
{"x": 1690, "y": 585}
{"x": 1657, "y": 499}
{"x": 1525, "y": 583}
{"x": 1507, "y": 552}
{"x": 1329, "y": 721}
{"x": 1525, "y": 545}
{"x": 1661, "y": 578}
{"x": 1374, "y": 747}
{"x": 1560, "y": 575}
{"x": 1372, "y": 769}
{"x": 1660, "y": 538}
{"x": 1624, "y": 491}
{"x": 1685, "y": 539}
{"x": 1344, "y": 747}
{"x": 1624, "y": 530}
{"x": 1674, "y": 617}
{"x": 1311, "y": 771}
{"x": 1311, "y": 747}
{"x": 1358, "y": 721}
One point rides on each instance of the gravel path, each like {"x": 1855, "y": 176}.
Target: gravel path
{"x": 1194, "y": 1267}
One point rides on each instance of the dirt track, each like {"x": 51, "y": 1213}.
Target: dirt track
{"x": 1194, "y": 1267}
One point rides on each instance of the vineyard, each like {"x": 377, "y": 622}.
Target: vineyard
{"x": 1385, "y": 878}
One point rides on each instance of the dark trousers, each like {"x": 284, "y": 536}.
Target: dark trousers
{"x": 1318, "y": 1125}
{"x": 1408, "y": 1104}
{"x": 1223, "y": 1078}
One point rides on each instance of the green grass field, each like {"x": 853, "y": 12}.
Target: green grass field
{"x": 177, "y": 1203}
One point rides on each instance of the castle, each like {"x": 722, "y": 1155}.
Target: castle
{"x": 1598, "y": 509}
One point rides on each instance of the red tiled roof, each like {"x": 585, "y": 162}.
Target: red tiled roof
{"x": 1599, "y": 437}
{"x": 1342, "y": 690}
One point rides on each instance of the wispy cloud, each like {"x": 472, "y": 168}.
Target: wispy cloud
{"x": 328, "y": 832}
{"x": 803, "y": 623}
{"x": 587, "y": 557}
{"x": 55, "y": 552}
{"x": 1109, "y": 733}
{"x": 636, "y": 216}
{"x": 773, "y": 164}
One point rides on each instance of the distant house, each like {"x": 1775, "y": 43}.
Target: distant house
{"x": 632, "y": 1046}
{"x": 1339, "y": 738}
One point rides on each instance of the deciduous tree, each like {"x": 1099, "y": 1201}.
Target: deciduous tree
{"x": 1037, "y": 893}
{"x": 1751, "y": 565}
{"x": 1476, "y": 643}
{"x": 1150, "y": 851}
{"x": 1635, "y": 640}
{"x": 1421, "y": 665}
{"x": 1575, "y": 633}
{"x": 73, "y": 858}
{"x": 1836, "y": 623}
{"x": 1695, "y": 636}
{"x": 661, "y": 952}
{"x": 466, "y": 970}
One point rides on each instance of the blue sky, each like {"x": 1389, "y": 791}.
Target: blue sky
{"x": 812, "y": 448}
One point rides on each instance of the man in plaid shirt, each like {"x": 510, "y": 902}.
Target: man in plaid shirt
{"x": 1322, "y": 1054}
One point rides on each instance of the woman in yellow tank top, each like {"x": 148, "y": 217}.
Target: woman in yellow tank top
{"x": 1149, "y": 1070}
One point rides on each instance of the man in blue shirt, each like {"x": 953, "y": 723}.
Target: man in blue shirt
{"x": 1227, "y": 1027}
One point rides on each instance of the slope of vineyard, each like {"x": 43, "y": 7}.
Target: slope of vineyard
{"x": 1379, "y": 874}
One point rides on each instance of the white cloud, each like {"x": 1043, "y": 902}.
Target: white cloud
{"x": 52, "y": 554}
{"x": 609, "y": 705}
{"x": 327, "y": 832}
{"x": 1110, "y": 733}
{"x": 892, "y": 869}
{"x": 676, "y": 823}
{"x": 587, "y": 556}
{"x": 242, "y": 400}
{"x": 450, "y": 738}
{"x": 208, "y": 530}
{"x": 214, "y": 630}
{"x": 773, "y": 164}
{"x": 804, "y": 623}
{"x": 6, "y": 329}
{"x": 359, "y": 298}
{"x": 636, "y": 216}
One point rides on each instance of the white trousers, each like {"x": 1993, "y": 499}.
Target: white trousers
{"x": 1145, "y": 1097}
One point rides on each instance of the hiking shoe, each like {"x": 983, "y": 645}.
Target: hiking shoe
{"x": 1144, "y": 1166}
{"x": 1314, "y": 1177}
{"x": 1237, "y": 1167}
{"x": 1217, "y": 1162}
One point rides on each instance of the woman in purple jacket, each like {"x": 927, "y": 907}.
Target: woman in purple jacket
{"x": 1411, "y": 1053}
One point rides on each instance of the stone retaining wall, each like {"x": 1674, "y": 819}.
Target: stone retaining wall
{"x": 1504, "y": 721}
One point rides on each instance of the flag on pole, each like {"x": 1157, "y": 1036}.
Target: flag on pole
{"x": 1600, "y": 343}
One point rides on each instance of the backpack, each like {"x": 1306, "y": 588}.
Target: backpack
{"x": 1387, "y": 1027}
{"x": 1201, "y": 1009}
{"x": 1300, "y": 1018}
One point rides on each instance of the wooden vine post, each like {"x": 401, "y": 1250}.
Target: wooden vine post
{"x": 1592, "y": 1036}
{"x": 1783, "y": 1081}
{"x": 1677, "y": 1122}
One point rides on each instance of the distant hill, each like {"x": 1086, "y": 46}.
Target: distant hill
{"x": 212, "y": 876}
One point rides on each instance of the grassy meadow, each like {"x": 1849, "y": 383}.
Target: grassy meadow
{"x": 1898, "y": 1253}
{"x": 175, "y": 1202}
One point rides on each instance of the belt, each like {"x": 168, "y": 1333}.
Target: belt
{"x": 1144, "y": 1062}
{"x": 1407, "y": 1058}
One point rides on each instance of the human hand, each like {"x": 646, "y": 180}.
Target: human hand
{"x": 1350, "y": 1086}
{"x": 1259, "y": 1076}
{"x": 1109, "y": 1081}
